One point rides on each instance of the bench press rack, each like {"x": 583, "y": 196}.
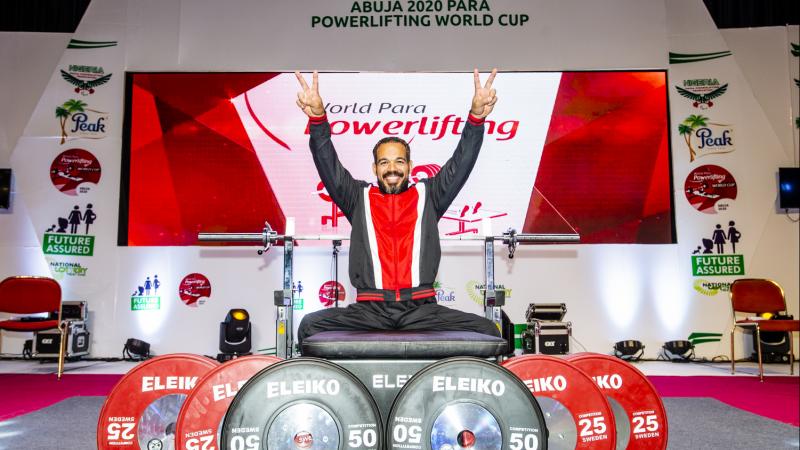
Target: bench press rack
{"x": 284, "y": 340}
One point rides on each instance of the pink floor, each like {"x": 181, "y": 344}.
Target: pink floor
{"x": 776, "y": 398}
{"x": 23, "y": 393}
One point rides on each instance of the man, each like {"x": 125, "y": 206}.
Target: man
{"x": 394, "y": 242}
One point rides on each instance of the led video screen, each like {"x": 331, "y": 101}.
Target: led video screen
{"x": 563, "y": 152}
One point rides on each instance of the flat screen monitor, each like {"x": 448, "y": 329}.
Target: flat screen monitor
{"x": 789, "y": 187}
{"x": 5, "y": 188}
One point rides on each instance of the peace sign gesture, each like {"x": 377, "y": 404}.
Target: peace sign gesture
{"x": 484, "y": 99}
{"x": 308, "y": 99}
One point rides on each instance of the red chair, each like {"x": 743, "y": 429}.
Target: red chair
{"x": 758, "y": 296}
{"x": 31, "y": 295}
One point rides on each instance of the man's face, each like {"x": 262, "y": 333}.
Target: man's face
{"x": 392, "y": 168}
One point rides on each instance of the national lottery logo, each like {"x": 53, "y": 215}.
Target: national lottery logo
{"x": 75, "y": 171}
{"x": 711, "y": 288}
{"x": 710, "y": 189}
{"x": 476, "y": 289}
{"x": 194, "y": 289}
{"x": 61, "y": 269}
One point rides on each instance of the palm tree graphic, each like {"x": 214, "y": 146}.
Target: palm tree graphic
{"x": 64, "y": 111}
{"x": 686, "y": 129}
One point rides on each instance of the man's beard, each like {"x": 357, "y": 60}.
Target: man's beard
{"x": 393, "y": 189}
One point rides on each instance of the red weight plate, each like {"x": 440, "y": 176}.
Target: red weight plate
{"x": 633, "y": 392}
{"x": 584, "y": 419}
{"x": 141, "y": 411}
{"x": 202, "y": 413}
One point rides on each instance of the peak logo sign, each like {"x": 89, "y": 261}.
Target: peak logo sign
{"x": 85, "y": 78}
{"x": 710, "y": 189}
{"x": 702, "y": 91}
{"x": 704, "y": 137}
{"x": 444, "y": 294}
{"x": 65, "y": 238}
{"x": 77, "y": 120}
{"x": 74, "y": 170}
{"x": 193, "y": 289}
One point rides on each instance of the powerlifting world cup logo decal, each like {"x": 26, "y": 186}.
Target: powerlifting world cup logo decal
{"x": 193, "y": 289}
{"x": 710, "y": 189}
{"x": 74, "y": 171}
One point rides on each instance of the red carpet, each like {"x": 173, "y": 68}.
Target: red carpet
{"x": 24, "y": 393}
{"x": 776, "y": 398}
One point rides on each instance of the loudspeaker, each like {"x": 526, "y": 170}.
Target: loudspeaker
{"x": 774, "y": 347}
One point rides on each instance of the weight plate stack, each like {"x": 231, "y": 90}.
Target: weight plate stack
{"x": 465, "y": 403}
{"x": 576, "y": 411}
{"x": 142, "y": 409}
{"x": 639, "y": 413}
{"x": 200, "y": 418}
{"x": 304, "y": 403}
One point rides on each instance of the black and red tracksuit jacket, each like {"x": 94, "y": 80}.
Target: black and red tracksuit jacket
{"x": 394, "y": 242}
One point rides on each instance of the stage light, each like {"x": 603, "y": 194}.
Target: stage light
{"x": 234, "y": 335}
{"x": 629, "y": 350}
{"x": 136, "y": 350}
{"x": 678, "y": 351}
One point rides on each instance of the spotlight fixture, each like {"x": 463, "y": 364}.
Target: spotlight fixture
{"x": 234, "y": 335}
{"x": 678, "y": 351}
{"x": 136, "y": 350}
{"x": 629, "y": 350}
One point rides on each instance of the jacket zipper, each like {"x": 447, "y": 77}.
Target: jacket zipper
{"x": 394, "y": 245}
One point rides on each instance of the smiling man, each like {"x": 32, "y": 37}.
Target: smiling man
{"x": 394, "y": 242}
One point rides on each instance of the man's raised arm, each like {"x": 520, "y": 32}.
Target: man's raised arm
{"x": 449, "y": 181}
{"x": 341, "y": 186}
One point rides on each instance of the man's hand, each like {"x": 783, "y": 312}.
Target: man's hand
{"x": 309, "y": 100}
{"x": 485, "y": 98}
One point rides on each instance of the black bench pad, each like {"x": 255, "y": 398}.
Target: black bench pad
{"x": 401, "y": 344}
